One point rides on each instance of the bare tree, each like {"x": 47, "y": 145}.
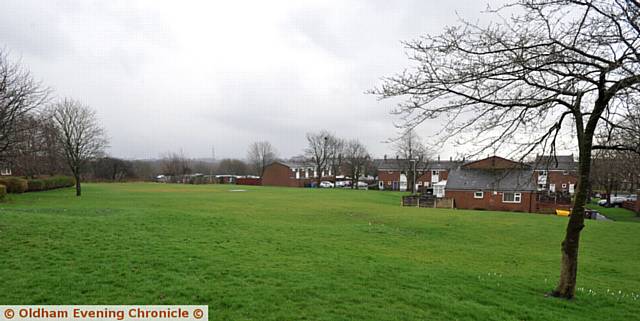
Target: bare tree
{"x": 321, "y": 150}
{"x": 231, "y": 166}
{"x": 81, "y": 136}
{"x": 356, "y": 159}
{"x": 19, "y": 94}
{"x": 175, "y": 164}
{"x": 260, "y": 155}
{"x": 37, "y": 149}
{"x": 550, "y": 70}
{"x": 624, "y": 135}
{"x": 338, "y": 152}
{"x": 412, "y": 154}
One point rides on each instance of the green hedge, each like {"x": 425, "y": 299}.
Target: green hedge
{"x": 58, "y": 182}
{"x": 19, "y": 185}
{"x": 36, "y": 185}
{"x": 15, "y": 185}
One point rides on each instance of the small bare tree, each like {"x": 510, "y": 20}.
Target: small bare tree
{"x": 321, "y": 150}
{"x": 356, "y": 159}
{"x": 551, "y": 70}
{"x": 80, "y": 135}
{"x": 338, "y": 152}
{"x": 19, "y": 94}
{"x": 412, "y": 154}
{"x": 260, "y": 155}
{"x": 175, "y": 164}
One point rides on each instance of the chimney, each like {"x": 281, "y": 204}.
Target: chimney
{"x": 385, "y": 156}
{"x": 438, "y": 158}
{"x": 451, "y": 158}
{"x": 397, "y": 157}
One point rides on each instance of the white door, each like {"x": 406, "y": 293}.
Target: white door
{"x": 552, "y": 188}
{"x": 572, "y": 188}
{"x": 403, "y": 182}
{"x": 381, "y": 185}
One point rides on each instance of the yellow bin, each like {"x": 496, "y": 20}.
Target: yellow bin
{"x": 563, "y": 212}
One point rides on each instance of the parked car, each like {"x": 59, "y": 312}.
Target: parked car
{"x": 632, "y": 197}
{"x": 326, "y": 184}
{"x": 363, "y": 185}
{"x": 342, "y": 183}
{"x": 615, "y": 201}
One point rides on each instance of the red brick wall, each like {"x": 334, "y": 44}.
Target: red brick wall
{"x": 388, "y": 177}
{"x": 248, "y": 181}
{"x": 558, "y": 178}
{"x": 426, "y": 176}
{"x": 278, "y": 174}
{"x": 632, "y": 206}
{"x": 465, "y": 200}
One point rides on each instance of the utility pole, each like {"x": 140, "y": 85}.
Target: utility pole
{"x": 213, "y": 162}
{"x": 413, "y": 187}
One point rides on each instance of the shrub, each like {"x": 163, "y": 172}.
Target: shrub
{"x": 14, "y": 184}
{"x": 58, "y": 182}
{"x": 3, "y": 192}
{"x": 36, "y": 185}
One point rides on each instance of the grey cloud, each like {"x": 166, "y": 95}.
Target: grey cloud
{"x": 164, "y": 80}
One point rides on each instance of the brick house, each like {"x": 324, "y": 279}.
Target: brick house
{"x": 493, "y": 183}
{"x": 293, "y": 174}
{"x": 557, "y": 174}
{"x": 393, "y": 173}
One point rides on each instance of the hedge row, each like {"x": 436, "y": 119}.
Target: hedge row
{"x": 50, "y": 183}
{"x": 16, "y": 185}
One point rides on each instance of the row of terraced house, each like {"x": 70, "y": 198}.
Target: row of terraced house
{"x": 493, "y": 183}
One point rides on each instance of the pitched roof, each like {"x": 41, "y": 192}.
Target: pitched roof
{"x": 393, "y": 164}
{"x": 494, "y": 163}
{"x": 558, "y": 162}
{"x": 497, "y": 180}
{"x": 293, "y": 164}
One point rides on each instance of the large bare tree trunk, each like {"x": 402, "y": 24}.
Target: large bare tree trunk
{"x": 569, "y": 266}
{"x": 78, "y": 187}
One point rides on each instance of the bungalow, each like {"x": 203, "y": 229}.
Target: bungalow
{"x": 556, "y": 173}
{"x": 493, "y": 183}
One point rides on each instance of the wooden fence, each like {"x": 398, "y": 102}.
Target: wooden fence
{"x": 427, "y": 201}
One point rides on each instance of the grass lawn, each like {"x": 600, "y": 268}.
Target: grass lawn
{"x": 615, "y": 213}
{"x": 293, "y": 254}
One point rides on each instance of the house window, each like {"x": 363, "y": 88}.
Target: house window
{"x": 5, "y": 172}
{"x": 435, "y": 172}
{"x": 542, "y": 173}
{"x": 478, "y": 194}
{"x": 565, "y": 172}
{"x": 509, "y": 197}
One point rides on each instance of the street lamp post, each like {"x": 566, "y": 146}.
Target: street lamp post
{"x": 413, "y": 187}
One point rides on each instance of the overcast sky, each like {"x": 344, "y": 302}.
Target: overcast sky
{"x": 171, "y": 75}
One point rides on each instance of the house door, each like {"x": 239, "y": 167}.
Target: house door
{"x": 381, "y": 185}
{"x": 572, "y": 188}
{"x": 552, "y": 188}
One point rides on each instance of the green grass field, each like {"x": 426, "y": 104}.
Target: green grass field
{"x": 304, "y": 254}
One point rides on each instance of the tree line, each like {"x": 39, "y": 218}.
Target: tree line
{"x": 43, "y": 135}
